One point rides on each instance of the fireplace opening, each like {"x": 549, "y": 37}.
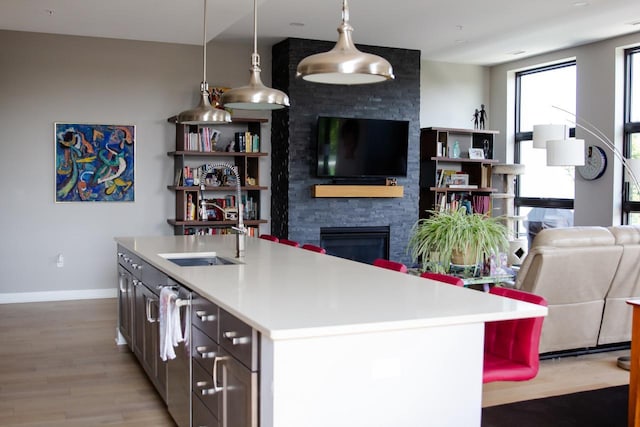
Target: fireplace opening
{"x": 363, "y": 244}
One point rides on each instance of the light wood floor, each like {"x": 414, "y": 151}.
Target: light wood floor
{"x": 59, "y": 366}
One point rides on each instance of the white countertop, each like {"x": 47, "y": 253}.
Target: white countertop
{"x": 288, "y": 293}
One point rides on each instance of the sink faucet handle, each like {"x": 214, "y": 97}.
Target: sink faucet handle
{"x": 241, "y": 230}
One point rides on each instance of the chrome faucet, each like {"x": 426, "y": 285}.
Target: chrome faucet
{"x": 240, "y": 228}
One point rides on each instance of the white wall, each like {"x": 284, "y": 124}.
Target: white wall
{"x": 49, "y": 78}
{"x": 450, "y": 93}
{"x": 599, "y": 100}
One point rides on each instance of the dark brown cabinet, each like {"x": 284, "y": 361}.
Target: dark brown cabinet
{"x": 448, "y": 152}
{"x": 225, "y": 368}
{"x": 189, "y": 191}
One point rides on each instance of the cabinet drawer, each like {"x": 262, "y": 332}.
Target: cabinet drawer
{"x": 203, "y": 348}
{"x": 201, "y": 416}
{"x": 153, "y": 278}
{"x": 202, "y": 386}
{"x": 240, "y": 339}
{"x": 204, "y": 316}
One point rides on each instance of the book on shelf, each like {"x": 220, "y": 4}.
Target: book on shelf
{"x": 443, "y": 177}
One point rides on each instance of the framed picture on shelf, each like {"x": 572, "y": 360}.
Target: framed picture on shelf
{"x": 476, "y": 153}
{"x": 94, "y": 162}
{"x": 460, "y": 179}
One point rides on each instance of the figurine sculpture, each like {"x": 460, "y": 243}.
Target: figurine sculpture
{"x": 483, "y": 116}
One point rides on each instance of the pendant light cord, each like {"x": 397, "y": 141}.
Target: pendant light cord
{"x": 345, "y": 12}
{"x": 255, "y": 58}
{"x": 204, "y": 49}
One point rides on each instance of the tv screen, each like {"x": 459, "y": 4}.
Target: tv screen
{"x": 349, "y": 148}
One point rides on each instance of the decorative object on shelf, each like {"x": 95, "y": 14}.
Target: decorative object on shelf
{"x": 456, "y": 237}
{"x": 94, "y": 163}
{"x": 255, "y": 96}
{"x": 595, "y": 163}
{"x": 455, "y": 153}
{"x": 215, "y": 93}
{"x": 476, "y": 153}
{"x": 476, "y": 119}
{"x": 345, "y": 64}
{"x": 483, "y": 116}
{"x": 204, "y": 113}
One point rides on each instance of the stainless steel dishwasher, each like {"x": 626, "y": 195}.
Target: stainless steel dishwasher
{"x": 179, "y": 369}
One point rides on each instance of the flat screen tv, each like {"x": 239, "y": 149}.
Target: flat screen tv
{"x": 361, "y": 148}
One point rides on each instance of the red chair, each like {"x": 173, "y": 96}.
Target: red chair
{"x": 511, "y": 346}
{"x": 269, "y": 237}
{"x": 290, "y": 243}
{"x": 314, "y": 248}
{"x": 390, "y": 265}
{"x": 445, "y": 278}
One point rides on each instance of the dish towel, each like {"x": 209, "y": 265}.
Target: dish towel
{"x": 170, "y": 330}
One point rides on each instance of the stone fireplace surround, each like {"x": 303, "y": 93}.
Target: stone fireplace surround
{"x": 295, "y": 214}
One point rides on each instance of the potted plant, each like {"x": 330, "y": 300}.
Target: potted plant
{"x": 456, "y": 237}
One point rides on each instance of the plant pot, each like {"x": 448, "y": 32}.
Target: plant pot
{"x": 466, "y": 257}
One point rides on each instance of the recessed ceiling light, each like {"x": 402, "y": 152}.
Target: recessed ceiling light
{"x": 460, "y": 41}
{"x": 580, "y": 3}
{"x": 517, "y": 52}
{"x": 49, "y": 12}
{"x": 296, "y": 24}
{"x": 634, "y": 23}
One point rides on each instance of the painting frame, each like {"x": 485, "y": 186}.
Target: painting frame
{"x": 94, "y": 162}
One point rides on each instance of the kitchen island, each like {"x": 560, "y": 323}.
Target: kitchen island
{"x": 344, "y": 343}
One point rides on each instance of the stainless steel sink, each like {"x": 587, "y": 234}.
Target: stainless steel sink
{"x": 197, "y": 259}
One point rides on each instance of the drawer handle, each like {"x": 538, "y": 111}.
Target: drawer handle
{"x": 215, "y": 372}
{"x": 148, "y": 310}
{"x": 123, "y": 290}
{"x": 235, "y": 339}
{"x": 204, "y": 317}
{"x": 203, "y": 353}
{"x": 205, "y": 390}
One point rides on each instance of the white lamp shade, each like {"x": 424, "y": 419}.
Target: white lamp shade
{"x": 544, "y": 133}
{"x": 565, "y": 152}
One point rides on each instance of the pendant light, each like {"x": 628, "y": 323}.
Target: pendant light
{"x": 204, "y": 113}
{"x": 255, "y": 96}
{"x": 345, "y": 64}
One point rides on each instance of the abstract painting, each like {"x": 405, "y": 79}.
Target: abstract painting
{"x": 94, "y": 163}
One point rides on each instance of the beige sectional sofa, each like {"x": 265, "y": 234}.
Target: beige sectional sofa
{"x": 586, "y": 274}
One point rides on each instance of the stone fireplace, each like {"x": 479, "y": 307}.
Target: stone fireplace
{"x": 294, "y": 212}
{"x": 363, "y": 244}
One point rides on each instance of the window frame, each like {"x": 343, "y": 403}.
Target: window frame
{"x": 629, "y": 128}
{"x": 535, "y": 202}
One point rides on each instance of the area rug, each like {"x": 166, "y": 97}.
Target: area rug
{"x": 606, "y": 407}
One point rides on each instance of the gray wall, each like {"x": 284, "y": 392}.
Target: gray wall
{"x": 449, "y": 94}
{"x": 50, "y": 78}
{"x": 599, "y": 101}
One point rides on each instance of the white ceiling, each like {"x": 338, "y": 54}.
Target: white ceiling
{"x": 462, "y": 31}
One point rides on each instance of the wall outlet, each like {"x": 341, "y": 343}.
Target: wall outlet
{"x": 60, "y": 261}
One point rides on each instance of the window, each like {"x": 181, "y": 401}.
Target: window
{"x": 544, "y": 194}
{"x": 631, "y": 205}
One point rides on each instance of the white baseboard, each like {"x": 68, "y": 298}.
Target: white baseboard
{"x": 10, "y": 298}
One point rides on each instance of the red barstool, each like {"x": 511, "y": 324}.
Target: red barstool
{"x": 314, "y": 248}
{"x": 390, "y": 265}
{"x": 269, "y": 237}
{"x": 290, "y": 243}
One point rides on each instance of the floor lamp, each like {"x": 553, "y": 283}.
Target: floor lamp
{"x": 558, "y": 152}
